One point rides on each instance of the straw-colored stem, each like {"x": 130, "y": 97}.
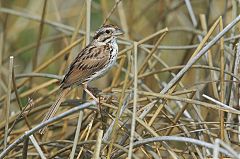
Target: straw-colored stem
{"x": 86, "y": 137}
{"x": 77, "y": 133}
{"x": 133, "y": 123}
{"x": 88, "y": 17}
{"x": 113, "y": 135}
{"x": 7, "y": 106}
{"x": 35, "y": 56}
{"x": 37, "y": 147}
{"x": 222, "y": 85}
{"x": 96, "y": 154}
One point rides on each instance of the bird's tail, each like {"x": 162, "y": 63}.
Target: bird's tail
{"x": 53, "y": 109}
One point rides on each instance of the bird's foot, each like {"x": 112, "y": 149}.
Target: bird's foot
{"x": 95, "y": 91}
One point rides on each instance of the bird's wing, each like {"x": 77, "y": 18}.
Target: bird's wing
{"x": 89, "y": 61}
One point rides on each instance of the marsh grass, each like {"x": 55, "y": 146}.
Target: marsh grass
{"x": 174, "y": 92}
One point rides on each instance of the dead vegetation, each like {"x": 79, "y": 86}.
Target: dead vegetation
{"x": 174, "y": 92}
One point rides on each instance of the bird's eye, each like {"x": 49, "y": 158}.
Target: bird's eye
{"x": 107, "y": 31}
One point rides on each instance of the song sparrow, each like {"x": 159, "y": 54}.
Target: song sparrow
{"x": 92, "y": 62}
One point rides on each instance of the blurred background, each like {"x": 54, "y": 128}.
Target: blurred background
{"x": 37, "y": 33}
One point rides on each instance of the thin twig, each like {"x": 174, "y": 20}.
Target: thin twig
{"x": 77, "y": 133}
{"x": 25, "y": 148}
{"x": 193, "y": 17}
{"x": 133, "y": 124}
{"x": 178, "y": 139}
{"x": 7, "y": 108}
{"x": 43, "y": 124}
{"x": 89, "y": 127}
{"x": 216, "y": 149}
{"x": 96, "y": 154}
{"x": 203, "y": 51}
{"x": 111, "y": 12}
{"x": 88, "y": 18}
{"x": 35, "y": 56}
{"x": 37, "y": 147}
{"x": 222, "y": 83}
{"x": 218, "y": 102}
{"x": 187, "y": 100}
{"x": 120, "y": 106}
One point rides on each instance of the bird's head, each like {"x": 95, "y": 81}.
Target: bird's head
{"x": 107, "y": 32}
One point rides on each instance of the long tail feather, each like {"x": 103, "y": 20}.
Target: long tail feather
{"x": 53, "y": 109}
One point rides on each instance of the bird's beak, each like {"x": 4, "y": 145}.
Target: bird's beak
{"x": 119, "y": 32}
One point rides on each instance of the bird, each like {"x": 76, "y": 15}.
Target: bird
{"x": 91, "y": 63}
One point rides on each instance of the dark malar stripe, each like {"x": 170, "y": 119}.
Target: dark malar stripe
{"x": 107, "y": 39}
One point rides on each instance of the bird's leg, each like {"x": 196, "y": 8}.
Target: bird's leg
{"x": 94, "y": 98}
{"x": 89, "y": 93}
{"x": 85, "y": 87}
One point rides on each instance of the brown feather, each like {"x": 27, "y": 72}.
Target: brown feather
{"x": 53, "y": 109}
{"x": 89, "y": 61}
